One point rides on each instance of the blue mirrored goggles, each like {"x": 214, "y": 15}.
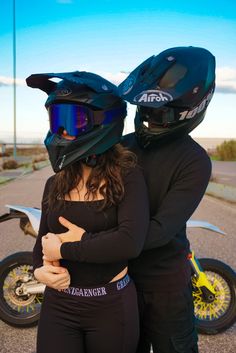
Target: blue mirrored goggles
{"x": 75, "y": 119}
{"x": 78, "y": 119}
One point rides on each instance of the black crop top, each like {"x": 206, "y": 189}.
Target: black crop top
{"x": 125, "y": 227}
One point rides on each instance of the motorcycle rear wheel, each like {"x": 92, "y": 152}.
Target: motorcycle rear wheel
{"x": 218, "y": 315}
{"x": 19, "y": 311}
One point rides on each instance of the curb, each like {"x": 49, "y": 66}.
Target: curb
{"x": 225, "y": 192}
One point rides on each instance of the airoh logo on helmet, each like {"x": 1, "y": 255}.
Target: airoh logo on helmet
{"x": 153, "y": 96}
{"x": 189, "y": 114}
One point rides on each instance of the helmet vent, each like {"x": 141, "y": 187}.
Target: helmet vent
{"x": 105, "y": 87}
{"x": 170, "y": 58}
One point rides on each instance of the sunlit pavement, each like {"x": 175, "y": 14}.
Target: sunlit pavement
{"x": 224, "y": 172}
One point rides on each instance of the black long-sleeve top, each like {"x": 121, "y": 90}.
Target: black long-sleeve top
{"x": 124, "y": 227}
{"x": 176, "y": 174}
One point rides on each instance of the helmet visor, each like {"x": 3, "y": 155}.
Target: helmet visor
{"x": 75, "y": 119}
{"x": 157, "y": 117}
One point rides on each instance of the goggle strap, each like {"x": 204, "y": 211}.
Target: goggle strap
{"x": 110, "y": 115}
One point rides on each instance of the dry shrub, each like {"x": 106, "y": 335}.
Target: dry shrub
{"x": 227, "y": 151}
{"x": 34, "y": 167}
{"x": 5, "y": 154}
{"x": 10, "y": 164}
{"x": 40, "y": 158}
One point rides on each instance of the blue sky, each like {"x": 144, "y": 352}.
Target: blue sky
{"x": 111, "y": 38}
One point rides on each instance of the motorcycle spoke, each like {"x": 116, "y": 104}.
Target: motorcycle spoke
{"x": 26, "y": 304}
{"x": 210, "y": 311}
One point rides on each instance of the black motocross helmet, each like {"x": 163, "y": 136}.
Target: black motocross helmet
{"x": 172, "y": 91}
{"x": 90, "y": 100}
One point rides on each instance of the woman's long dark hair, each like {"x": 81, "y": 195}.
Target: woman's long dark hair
{"x": 105, "y": 178}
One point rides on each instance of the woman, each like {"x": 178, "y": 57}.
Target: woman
{"x": 88, "y": 306}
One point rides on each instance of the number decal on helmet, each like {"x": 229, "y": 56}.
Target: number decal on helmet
{"x": 189, "y": 114}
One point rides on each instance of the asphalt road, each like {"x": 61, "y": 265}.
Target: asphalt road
{"x": 27, "y": 191}
{"x": 224, "y": 172}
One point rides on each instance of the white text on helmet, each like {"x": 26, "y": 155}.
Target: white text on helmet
{"x": 153, "y": 96}
{"x": 62, "y": 162}
{"x": 189, "y": 114}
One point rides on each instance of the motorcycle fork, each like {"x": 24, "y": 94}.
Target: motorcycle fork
{"x": 202, "y": 281}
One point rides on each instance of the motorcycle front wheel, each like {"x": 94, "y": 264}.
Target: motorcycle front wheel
{"x": 18, "y": 310}
{"x": 216, "y": 315}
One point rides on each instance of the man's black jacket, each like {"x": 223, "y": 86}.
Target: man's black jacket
{"x": 177, "y": 174}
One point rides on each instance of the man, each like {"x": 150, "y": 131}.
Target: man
{"x": 172, "y": 91}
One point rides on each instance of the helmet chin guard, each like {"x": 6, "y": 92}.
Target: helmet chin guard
{"x": 63, "y": 153}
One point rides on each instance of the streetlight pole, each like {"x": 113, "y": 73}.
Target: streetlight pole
{"x": 14, "y": 76}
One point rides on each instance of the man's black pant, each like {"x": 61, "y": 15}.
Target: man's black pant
{"x": 167, "y": 322}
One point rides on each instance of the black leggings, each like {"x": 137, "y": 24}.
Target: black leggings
{"x": 90, "y": 321}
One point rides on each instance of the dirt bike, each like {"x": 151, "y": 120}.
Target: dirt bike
{"x": 21, "y": 295}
